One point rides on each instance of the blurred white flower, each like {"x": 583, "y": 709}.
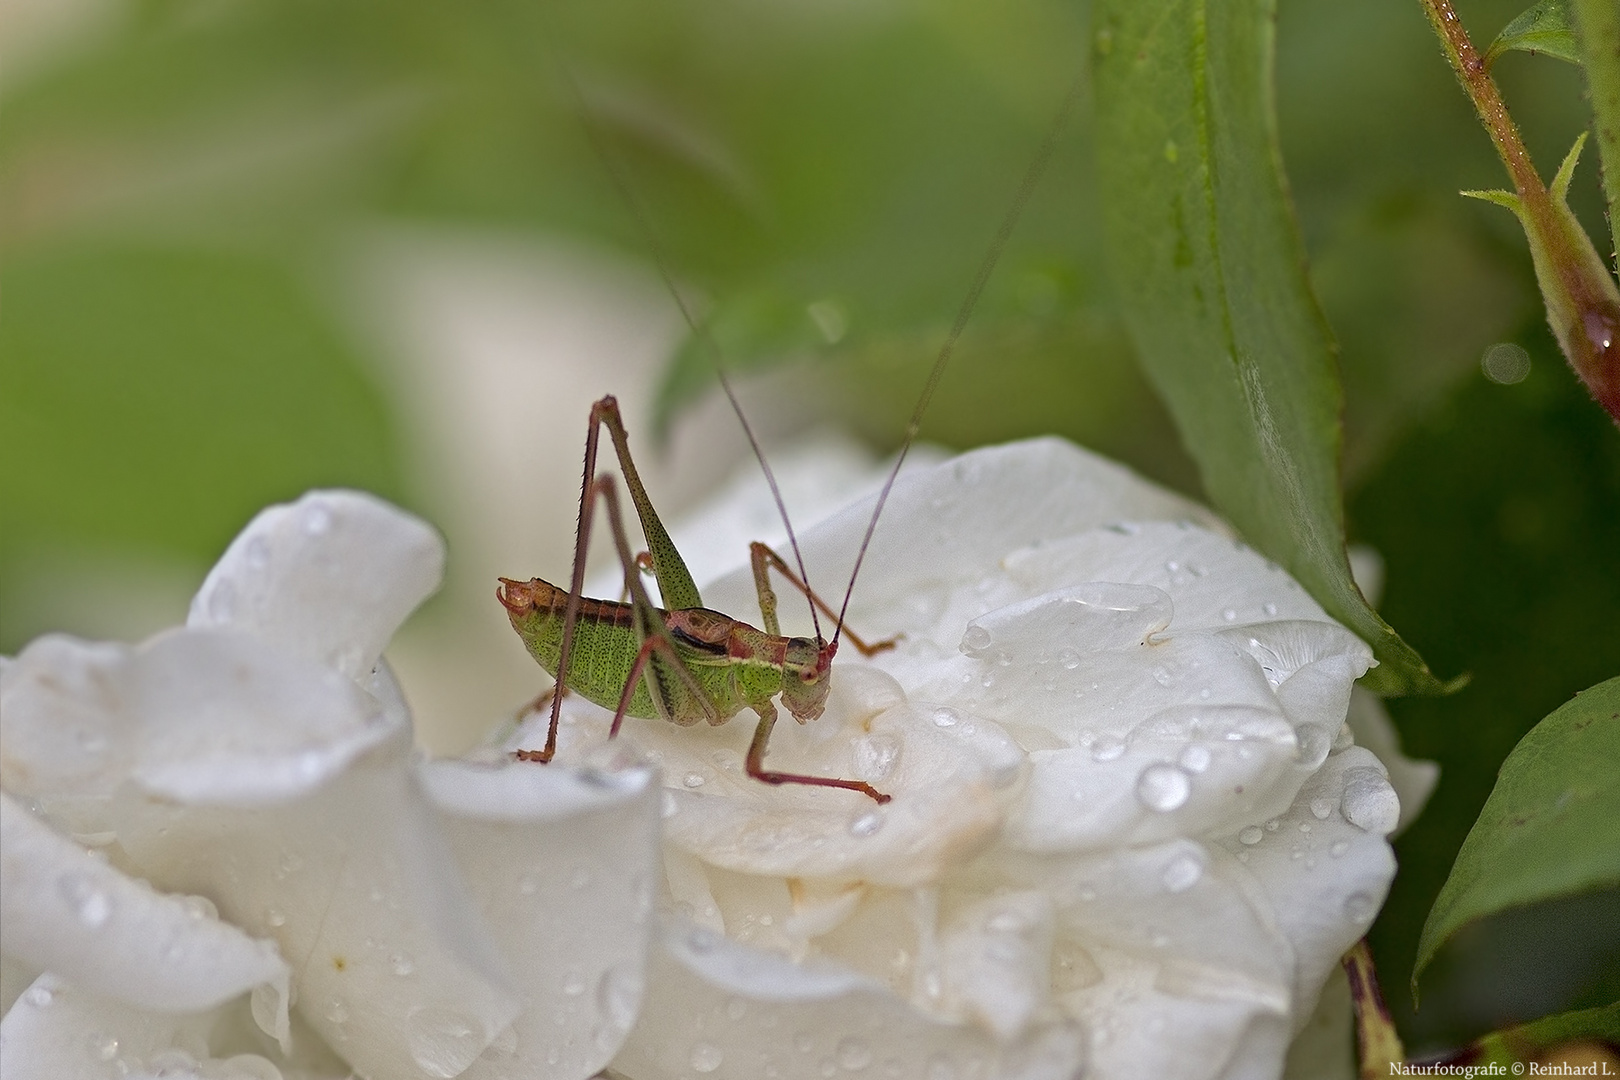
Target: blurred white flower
{"x": 260, "y": 836}
{"x": 1131, "y": 833}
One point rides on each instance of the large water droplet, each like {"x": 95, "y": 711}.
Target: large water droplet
{"x": 90, "y": 905}
{"x": 618, "y": 997}
{"x": 853, "y": 1054}
{"x": 1183, "y": 873}
{"x": 1163, "y": 787}
{"x": 705, "y": 1057}
{"x": 1251, "y": 835}
{"x": 442, "y": 1042}
{"x": 1369, "y": 803}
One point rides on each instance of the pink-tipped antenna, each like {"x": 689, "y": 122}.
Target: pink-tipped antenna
{"x": 1032, "y": 176}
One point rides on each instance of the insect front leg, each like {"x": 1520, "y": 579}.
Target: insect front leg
{"x": 764, "y": 560}
{"x": 756, "y": 763}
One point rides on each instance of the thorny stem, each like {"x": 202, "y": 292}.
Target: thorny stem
{"x": 1583, "y": 305}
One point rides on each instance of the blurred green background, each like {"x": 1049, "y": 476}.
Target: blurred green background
{"x": 249, "y": 247}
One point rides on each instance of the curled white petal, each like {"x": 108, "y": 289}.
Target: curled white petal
{"x": 721, "y": 1009}
{"x": 563, "y": 866}
{"x": 330, "y": 578}
{"x": 64, "y": 911}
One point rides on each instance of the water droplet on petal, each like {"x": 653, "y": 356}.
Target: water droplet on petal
{"x": 618, "y": 997}
{"x": 1163, "y": 787}
{"x": 1251, "y": 835}
{"x": 945, "y": 716}
{"x": 1269, "y": 608}
{"x": 317, "y": 521}
{"x": 102, "y": 1047}
{"x": 669, "y": 807}
{"x": 1107, "y": 748}
{"x": 875, "y": 756}
{"x": 1230, "y": 615}
{"x": 38, "y": 996}
{"x": 976, "y": 639}
{"x": 442, "y": 1042}
{"x": 573, "y": 984}
{"x": 1069, "y": 659}
{"x": 275, "y": 917}
{"x": 1339, "y": 848}
{"x": 1321, "y": 808}
{"x": 1183, "y": 873}
{"x": 1369, "y": 803}
{"x": 1195, "y": 758}
{"x": 1359, "y": 907}
{"x": 90, "y": 905}
{"x": 853, "y": 1054}
{"x": 337, "y": 1012}
{"x": 705, "y": 1057}
{"x": 693, "y": 780}
{"x": 867, "y": 824}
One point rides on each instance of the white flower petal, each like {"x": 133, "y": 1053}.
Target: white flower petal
{"x": 62, "y": 910}
{"x": 718, "y": 1008}
{"x": 392, "y": 965}
{"x": 61, "y": 731}
{"x": 563, "y": 864}
{"x": 58, "y": 1030}
{"x": 1322, "y": 877}
{"x": 330, "y": 578}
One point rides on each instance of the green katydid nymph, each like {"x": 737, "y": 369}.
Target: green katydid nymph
{"x": 684, "y": 662}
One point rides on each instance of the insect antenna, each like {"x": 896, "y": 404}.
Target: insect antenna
{"x": 699, "y": 328}
{"x": 987, "y": 265}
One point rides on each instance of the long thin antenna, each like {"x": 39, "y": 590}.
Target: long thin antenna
{"x": 1032, "y": 176}
{"x": 700, "y": 330}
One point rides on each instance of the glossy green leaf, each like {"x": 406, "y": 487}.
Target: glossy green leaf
{"x": 1551, "y": 827}
{"x": 1211, "y": 271}
{"x": 1546, "y": 28}
{"x": 1528, "y": 1041}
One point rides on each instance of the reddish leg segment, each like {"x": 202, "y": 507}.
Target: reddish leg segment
{"x": 763, "y": 559}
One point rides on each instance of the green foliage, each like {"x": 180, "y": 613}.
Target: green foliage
{"x": 1551, "y": 827}
{"x": 1203, "y": 240}
{"x": 1545, "y": 28}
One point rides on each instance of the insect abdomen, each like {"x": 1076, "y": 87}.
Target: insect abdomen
{"x": 605, "y": 644}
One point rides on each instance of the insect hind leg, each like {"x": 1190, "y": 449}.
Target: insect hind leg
{"x": 764, "y": 560}
{"x": 755, "y": 764}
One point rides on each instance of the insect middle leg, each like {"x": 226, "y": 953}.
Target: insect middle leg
{"x": 755, "y": 764}
{"x": 764, "y": 560}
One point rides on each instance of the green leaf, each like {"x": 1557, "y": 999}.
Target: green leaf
{"x": 1211, "y": 272}
{"x": 1551, "y": 827}
{"x": 1546, "y": 28}
{"x": 1528, "y": 1041}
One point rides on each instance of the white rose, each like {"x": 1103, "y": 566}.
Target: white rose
{"x": 260, "y": 835}
{"x": 1130, "y": 832}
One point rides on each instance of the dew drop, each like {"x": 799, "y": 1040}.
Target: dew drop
{"x": 401, "y": 964}
{"x": 1359, "y": 907}
{"x": 442, "y": 1042}
{"x": 618, "y": 997}
{"x": 336, "y": 1011}
{"x": 1269, "y": 608}
{"x": 1321, "y": 808}
{"x": 1069, "y": 659}
{"x": 945, "y": 716}
{"x": 669, "y": 807}
{"x": 275, "y": 917}
{"x": 875, "y": 756}
{"x": 1230, "y": 615}
{"x": 1271, "y": 826}
{"x": 102, "y": 1047}
{"x": 976, "y": 639}
{"x": 853, "y": 1054}
{"x": 1195, "y": 758}
{"x": 705, "y": 1057}
{"x": 317, "y": 521}
{"x": 1163, "y": 787}
{"x": 573, "y": 984}
{"x": 693, "y": 780}
{"x": 867, "y": 824}
{"x": 1251, "y": 835}
{"x": 1183, "y": 873}
{"x": 1369, "y": 803}
{"x": 38, "y": 996}
{"x": 1339, "y": 848}
{"x": 91, "y": 906}
{"x": 1107, "y": 748}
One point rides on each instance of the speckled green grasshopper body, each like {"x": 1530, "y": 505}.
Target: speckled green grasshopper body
{"x": 684, "y": 662}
